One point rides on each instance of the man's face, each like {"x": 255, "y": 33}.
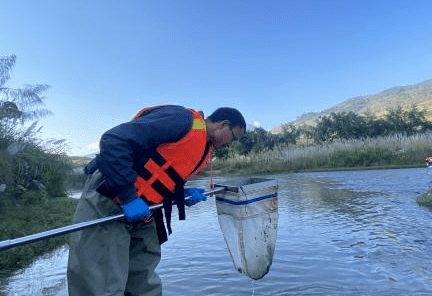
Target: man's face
{"x": 224, "y": 135}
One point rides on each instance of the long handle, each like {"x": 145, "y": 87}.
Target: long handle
{"x": 10, "y": 243}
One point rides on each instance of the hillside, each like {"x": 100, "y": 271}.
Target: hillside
{"x": 79, "y": 161}
{"x": 419, "y": 94}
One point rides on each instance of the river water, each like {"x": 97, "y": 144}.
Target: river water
{"x": 339, "y": 233}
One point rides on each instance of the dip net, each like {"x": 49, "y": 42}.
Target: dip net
{"x": 248, "y": 216}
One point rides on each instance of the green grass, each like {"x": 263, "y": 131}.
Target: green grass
{"x": 19, "y": 221}
{"x": 426, "y": 199}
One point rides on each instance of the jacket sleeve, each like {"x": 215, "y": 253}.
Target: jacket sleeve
{"x": 122, "y": 145}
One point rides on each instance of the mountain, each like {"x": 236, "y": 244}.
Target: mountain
{"x": 405, "y": 96}
{"x": 91, "y": 155}
{"x": 250, "y": 127}
{"x": 78, "y": 161}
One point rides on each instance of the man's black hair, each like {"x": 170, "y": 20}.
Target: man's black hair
{"x": 233, "y": 115}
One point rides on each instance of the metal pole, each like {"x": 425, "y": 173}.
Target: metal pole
{"x": 10, "y": 243}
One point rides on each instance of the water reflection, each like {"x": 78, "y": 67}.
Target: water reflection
{"x": 339, "y": 233}
{"x": 45, "y": 277}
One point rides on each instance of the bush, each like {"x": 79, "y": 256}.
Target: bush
{"x": 33, "y": 197}
{"x": 19, "y": 221}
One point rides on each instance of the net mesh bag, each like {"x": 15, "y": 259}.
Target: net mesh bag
{"x": 248, "y": 216}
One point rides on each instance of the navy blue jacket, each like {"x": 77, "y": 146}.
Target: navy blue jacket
{"x": 124, "y": 147}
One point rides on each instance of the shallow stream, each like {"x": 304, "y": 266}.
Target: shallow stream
{"x": 339, "y": 233}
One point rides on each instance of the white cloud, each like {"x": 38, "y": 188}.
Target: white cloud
{"x": 93, "y": 146}
{"x": 256, "y": 123}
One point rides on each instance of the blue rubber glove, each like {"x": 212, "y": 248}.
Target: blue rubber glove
{"x": 136, "y": 210}
{"x": 196, "y": 195}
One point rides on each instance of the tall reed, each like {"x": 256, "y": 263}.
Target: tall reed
{"x": 389, "y": 151}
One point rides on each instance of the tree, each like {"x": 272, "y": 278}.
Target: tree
{"x": 408, "y": 122}
{"x": 352, "y": 126}
{"x": 416, "y": 120}
{"x": 395, "y": 120}
{"x": 19, "y": 105}
{"x": 27, "y": 163}
{"x": 289, "y": 134}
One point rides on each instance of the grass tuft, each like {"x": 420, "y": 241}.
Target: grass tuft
{"x": 19, "y": 221}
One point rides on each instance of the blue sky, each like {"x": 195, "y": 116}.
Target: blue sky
{"x": 273, "y": 60}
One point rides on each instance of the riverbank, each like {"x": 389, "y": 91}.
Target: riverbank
{"x": 383, "y": 153}
{"x": 19, "y": 221}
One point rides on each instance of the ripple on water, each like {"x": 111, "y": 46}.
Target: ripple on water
{"x": 45, "y": 276}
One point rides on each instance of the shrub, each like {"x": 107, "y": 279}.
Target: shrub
{"x": 33, "y": 197}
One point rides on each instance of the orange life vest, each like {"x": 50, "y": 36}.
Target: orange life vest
{"x": 173, "y": 162}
